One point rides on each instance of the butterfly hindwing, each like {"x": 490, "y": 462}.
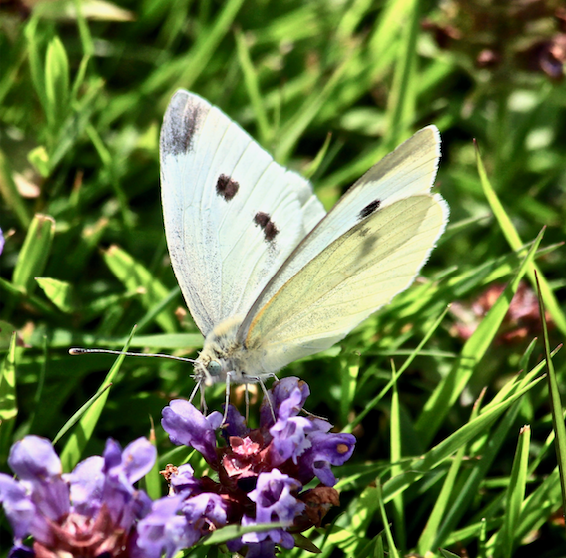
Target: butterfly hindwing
{"x": 232, "y": 215}
{"x": 347, "y": 281}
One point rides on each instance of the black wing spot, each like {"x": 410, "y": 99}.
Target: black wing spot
{"x": 227, "y": 187}
{"x": 370, "y": 208}
{"x": 263, "y": 220}
{"x": 182, "y": 121}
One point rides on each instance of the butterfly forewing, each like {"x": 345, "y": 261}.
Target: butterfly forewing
{"x": 232, "y": 215}
{"x": 347, "y": 281}
{"x": 408, "y": 171}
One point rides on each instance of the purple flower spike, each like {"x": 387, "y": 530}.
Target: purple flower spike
{"x": 92, "y": 511}
{"x": 260, "y": 472}
{"x": 188, "y": 426}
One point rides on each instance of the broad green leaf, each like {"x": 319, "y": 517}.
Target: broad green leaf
{"x": 58, "y": 292}
{"x": 34, "y": 253}
{"x": 56, "y": 81}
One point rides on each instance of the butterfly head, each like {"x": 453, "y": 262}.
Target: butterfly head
{"x": 209, "y": 371}
{"x": 221, "y": 354}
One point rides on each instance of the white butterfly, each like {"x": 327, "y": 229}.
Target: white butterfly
{"x": 267, "y": 275}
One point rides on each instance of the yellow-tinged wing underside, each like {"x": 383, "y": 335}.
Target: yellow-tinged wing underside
{"x": 349, "y": 280}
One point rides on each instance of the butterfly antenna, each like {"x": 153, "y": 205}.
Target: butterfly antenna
{"x": 80, "y": 351}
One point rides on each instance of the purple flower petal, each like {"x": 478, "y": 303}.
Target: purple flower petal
{"x": 290, "y": 438}
{"x": 163, "y": 530}
{"x": 34, "y": 459}
{"x": 138, "y": 459}
{"x": 183, "y": 480}
{"x": 273, "y": 498}
{"x": 235, "y": 424}
{"x": 2, "y": 245}
{"x": 37, "y": 465}
{"x": 122, "y": 469}
{"x": 283, "y": 390}
{"x": 327, "y": 449}
{"x": 188, "y": 426}
{"x": 206, "y": 512}
{"x": 112, "y": 454}
{"x": 86, "y": 486}
{"x": 18, "y": 507}
{"x": 265, "y": 541}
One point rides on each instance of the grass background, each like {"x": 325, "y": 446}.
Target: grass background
{"x": 444, "y": 459}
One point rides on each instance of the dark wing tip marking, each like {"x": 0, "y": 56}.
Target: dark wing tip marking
{"x": 180, "y": 124}
{"x": 227, "y": 187}
{"x": 263, "y": 220}
{"x": 370, "y": 208}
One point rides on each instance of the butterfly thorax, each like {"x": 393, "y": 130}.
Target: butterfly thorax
{"x": 224, "y": 354}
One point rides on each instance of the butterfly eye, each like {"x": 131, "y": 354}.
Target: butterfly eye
{"x": 214, "y": 368}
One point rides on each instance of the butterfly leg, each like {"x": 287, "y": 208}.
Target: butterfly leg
{"x": 247, "y": 399}
{"x": 199, "y": 386}
{"x": 226, "y": 400}
{"x": 259, "y": 379}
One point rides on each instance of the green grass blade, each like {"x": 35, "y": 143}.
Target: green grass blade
{"x": 153, "y": 481}
{"x": 10, "y": 194}
{"x": 417, "y": 468}
{"x": 388, "y": 535}
{"x": 60, "y": 293}
{"x": 514, "y": 240}
{"x": 374, "y": 402}
{"x": 448, "y": 390}
{"x": 56, "y": 82}
{"x": 84, "y": 430}
{"x": 516, "y": 492}
{"x": 395, "y": 457}
{"x": 428, "y": 536}
{"x": 402, "y": 97}
{"x": 76, "y": 417}
{"x": 251, "y": 79}
{"x": 8, "y": 402}
{"x": 554, "y": 396}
